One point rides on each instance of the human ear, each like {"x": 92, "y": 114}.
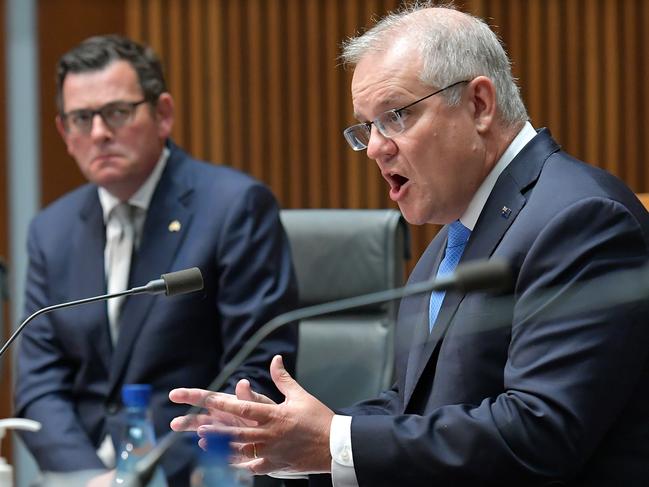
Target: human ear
{"x": 165, "y": 114}
{"x": 482, "y": 93}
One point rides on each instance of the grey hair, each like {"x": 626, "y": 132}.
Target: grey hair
{"x": 455, "y": 46}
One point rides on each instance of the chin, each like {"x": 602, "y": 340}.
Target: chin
{"x": 413, "y": 216}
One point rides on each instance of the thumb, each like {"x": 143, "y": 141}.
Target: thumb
{"x": 282, "y": 379}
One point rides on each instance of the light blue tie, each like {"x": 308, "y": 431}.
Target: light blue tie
{"x": 458, "y": 236}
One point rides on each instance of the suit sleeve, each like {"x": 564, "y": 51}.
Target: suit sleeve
{"x": 566, "y": 379}
{"x": 256, "y": 283}
{"x": 44, "y": 383}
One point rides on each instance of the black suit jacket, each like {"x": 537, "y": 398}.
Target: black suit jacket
{"x": 559, "y": 401}
{"x": 70, "y": 376}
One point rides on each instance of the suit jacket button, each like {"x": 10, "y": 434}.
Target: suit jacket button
{"x": 112, "y": 408}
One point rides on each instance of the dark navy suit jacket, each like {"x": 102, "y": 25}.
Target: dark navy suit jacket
{"x": 537, "y": 401}
{"x": 69, "y": 376}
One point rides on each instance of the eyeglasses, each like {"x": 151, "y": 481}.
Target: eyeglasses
{"x": 389, "y": 123}
{"x": 115, "y": 115}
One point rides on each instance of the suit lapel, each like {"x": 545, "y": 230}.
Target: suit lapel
{"x": 87, "y": 277}
{"x": 419, "y": 317}
{"x": 501, "y": 209}
{"x": 166, "y": 225}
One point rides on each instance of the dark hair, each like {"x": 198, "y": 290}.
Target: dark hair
{"x": 97, "y": 52}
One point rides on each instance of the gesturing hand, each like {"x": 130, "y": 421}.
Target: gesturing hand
{"x": 289, "y": 437}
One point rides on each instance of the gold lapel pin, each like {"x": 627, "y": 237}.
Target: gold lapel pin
{"x": 174, "y": 226}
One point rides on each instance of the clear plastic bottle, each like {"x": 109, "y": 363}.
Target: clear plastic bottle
{"x": 213, "y": 468}
{"x": 138, "y": 437}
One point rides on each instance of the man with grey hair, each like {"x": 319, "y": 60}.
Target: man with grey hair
{"x": 544, "y": 399}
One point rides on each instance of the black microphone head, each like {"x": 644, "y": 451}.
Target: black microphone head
{"x": 492, "y": 275}
{"x": 183, "y": 282}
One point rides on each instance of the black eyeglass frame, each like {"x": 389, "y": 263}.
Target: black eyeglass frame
{"x": 100, "y": 111}
{"x": 396, "y": 111}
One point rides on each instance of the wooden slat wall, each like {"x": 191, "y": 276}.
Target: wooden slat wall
{"x": 258, "y": 87}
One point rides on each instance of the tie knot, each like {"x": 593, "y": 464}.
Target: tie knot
{"x": 123, "y": 213}
{"x": 458, "y": 235}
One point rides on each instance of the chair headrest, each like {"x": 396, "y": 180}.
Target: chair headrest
{"x": 343, "y": 253}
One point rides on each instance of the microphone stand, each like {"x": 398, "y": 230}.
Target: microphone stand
{"x": 173, "y": 283}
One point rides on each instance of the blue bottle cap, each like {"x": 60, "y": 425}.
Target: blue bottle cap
{"x": 136, "y": 395}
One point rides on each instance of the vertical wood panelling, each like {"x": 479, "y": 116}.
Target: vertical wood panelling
{"x": 641, "y": 69}
{"x": 196, "y": 54}
{"x": 574, "y": 81}
{"x": 257, "y": 85}
{"x": 256, "y": 115}
{"x": 334, "y": 117}
{"x": 591, "y": 85}
{"x": 313, "y": 104}
{"x": 238, "y": 77}
{"x": 535, "y": 72}
{"x": 611, "y": 75}
{"x": 275, "y": 100}
{"x": 555, "y": 40}
{"x": 297, "y": 60}
{"x": 175, "y": 62}
{"x": 134, "y": 18}
{"x": 630, "y": 123}
{"x": 156, "y": 18}
{"x": 217, "y": 123}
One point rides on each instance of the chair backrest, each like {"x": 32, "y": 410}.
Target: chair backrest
{"x": 347, "y": 357}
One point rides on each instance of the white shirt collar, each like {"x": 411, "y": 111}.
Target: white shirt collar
{"x": 470, "y": 216}
{"x": 142, "y": 197}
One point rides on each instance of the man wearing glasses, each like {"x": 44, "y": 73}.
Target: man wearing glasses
{"x": 530, "y": 396}
{"x": 149, "y": 208}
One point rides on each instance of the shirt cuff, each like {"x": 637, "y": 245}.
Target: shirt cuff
{"x": 340, "y": 446}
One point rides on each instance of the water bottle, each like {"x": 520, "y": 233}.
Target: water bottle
{"x": 138, "y": 437}
{"x": 213, "y": 468}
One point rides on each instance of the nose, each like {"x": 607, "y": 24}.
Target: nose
{"x": 99, "y": 130}
{"x": 379, "y": 146}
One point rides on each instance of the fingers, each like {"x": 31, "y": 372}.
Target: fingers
{"x": 247, "y": 410}
{"x": 193, "y": 397}
{"x": 190, "y": 422}
{"x": 245, "y": 393}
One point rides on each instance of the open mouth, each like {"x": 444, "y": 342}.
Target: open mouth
{"x": 396, "y": 182}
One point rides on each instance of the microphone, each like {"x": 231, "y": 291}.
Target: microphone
{"x": 486, "y": 275}
{"x": 171, "y": 284}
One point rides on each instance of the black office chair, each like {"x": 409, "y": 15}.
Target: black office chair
{"x": 346, "y": 357}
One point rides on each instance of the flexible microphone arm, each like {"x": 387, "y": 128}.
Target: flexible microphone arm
{"x": 171, "y": 284}
{"x": 494, "y": 275}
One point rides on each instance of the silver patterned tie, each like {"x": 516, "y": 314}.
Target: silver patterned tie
{"x": 119, "y": 247}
